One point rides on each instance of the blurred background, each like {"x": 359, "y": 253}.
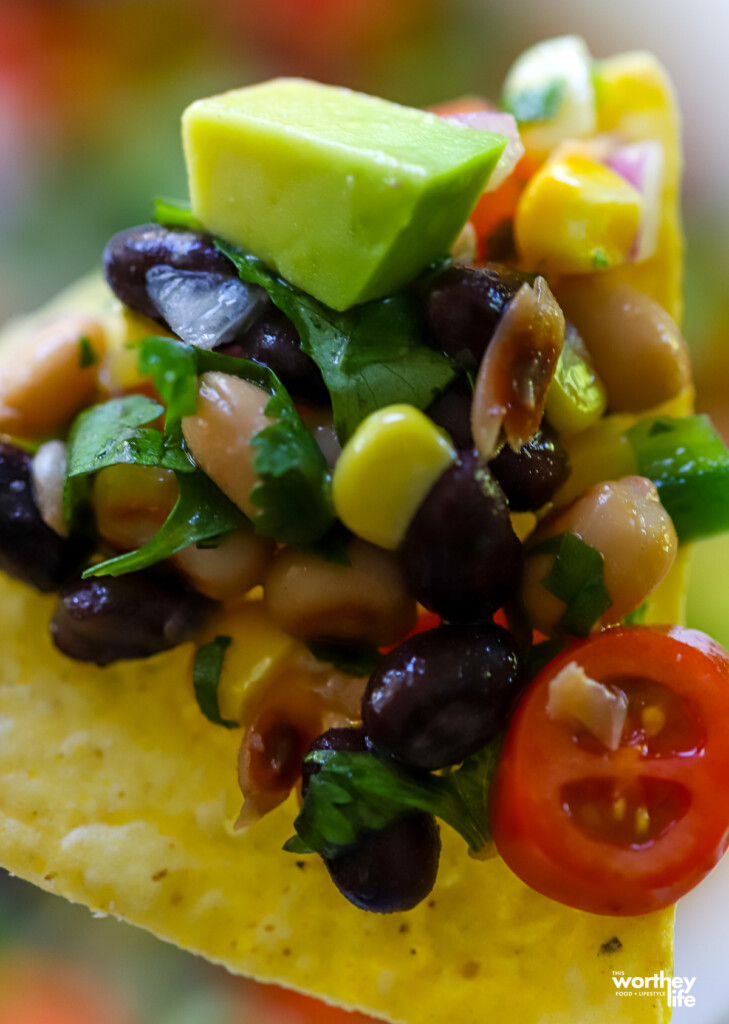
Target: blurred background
{"x": 91, "y": 93}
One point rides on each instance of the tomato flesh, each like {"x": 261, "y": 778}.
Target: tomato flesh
{"x": 625, "y": 831}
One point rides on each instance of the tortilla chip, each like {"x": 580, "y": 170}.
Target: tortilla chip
{"x": 116, "y": 792}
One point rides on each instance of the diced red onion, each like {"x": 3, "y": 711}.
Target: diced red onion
{"x": 641, "y": 164}
{"x": 204, "y": 309}
{"x": 500, "y": 124}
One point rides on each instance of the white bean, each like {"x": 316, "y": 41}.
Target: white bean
{"x": 626, "y": 522}
{"x": 230, "y": 411}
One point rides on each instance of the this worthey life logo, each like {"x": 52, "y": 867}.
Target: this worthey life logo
{"x": 676, "y": 991}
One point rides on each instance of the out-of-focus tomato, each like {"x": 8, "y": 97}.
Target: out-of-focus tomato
{"x": 50, "y": 992}
{"x": 630, "y": 830}
{"x": 274, "y": 1005}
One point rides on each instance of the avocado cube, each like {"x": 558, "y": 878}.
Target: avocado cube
{"x": 343, "y": 194}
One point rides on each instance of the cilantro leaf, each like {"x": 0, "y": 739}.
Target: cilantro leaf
{"x": 332, "y": 547}
{"x": 206, "y": 671}
{"x": 86, "y": 354}
{"x": 370, "y": 356}
{"x": 536, "y": 104}
{"x": 356, "y": 792}
{"x": 174, "y": 213}
{"x": 173, "y": 368}
{"x": 112, "y": 433}
{"x": 293, "y": 496}
{"x": 577, "y": 578}
{"x": 354, "y": 661}
{"x": 201, "y": 512}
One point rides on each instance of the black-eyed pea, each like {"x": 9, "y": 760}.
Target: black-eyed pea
{"x": 48, "y": 376}
{"x": 229, "y": 412}
{"x": 366, "y": 601}
{"x": 229, "y": 570}
{"x": 636, "y": 348}
{"x": 625, "y": 521}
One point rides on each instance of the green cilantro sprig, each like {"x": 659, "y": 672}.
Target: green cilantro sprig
{"x": 202, "y": 513}
{"x": 206, "y": 671}
{"x": 370, "y": 356}
{"x": 576, "y": 577}
{"x": 353, "y": 793}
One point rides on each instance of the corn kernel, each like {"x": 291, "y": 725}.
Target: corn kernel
{"x": 385, "y": 471}
{"x": 576, "y": 216}
{"x": 257, "y": 651}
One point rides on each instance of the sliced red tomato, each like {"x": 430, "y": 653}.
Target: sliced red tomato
{"x": 625, "y": 831}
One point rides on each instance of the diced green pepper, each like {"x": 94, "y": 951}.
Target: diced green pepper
{"x": 689, "y": 464}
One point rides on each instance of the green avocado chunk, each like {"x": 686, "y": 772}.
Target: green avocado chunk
{"x": 345, "y": 195}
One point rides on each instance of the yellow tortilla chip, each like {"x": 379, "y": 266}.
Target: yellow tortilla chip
{"x": 116, "y": 792}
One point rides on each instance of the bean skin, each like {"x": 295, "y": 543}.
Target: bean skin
{"x": 464, "y": 305}
{"x": 451, "y": 411}
{"x": 274, "y": 341}
{"x": 109, "y": 619}
{"x": 29, "y": 549}
{"x": 460, "y": 555}
{"x": 351, "y": 740}
{"x": 389, "y": 870}
{"x": 130, "y": 254}
{"x": 392, "y": 869}
{"x": 442, "y": 694}
{"x": 531, "y": 476}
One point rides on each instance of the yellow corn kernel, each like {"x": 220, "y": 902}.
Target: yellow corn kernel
{"x": 257, "y": 650}
{"x": 576, "y": 398}
{"x": 386, "y": 469}
{"x": 576, "y": 216}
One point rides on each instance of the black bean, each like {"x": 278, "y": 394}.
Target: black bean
{"x": 131, "y": 253}
{"x": 443, "y": 694}
{"x": 452, "y": 412}
{"x": 460, "y": 555}
{"x": 392, "y": 869}
{"x": 274, "y": 341}
{"x": 388, "y": 870}
{"x": 352, "y": 739}
{"x": 108, "y": 619}
{"x": 29, "y": 549}
{"x": 464, "y": 306}
{"x": 531, "y": 476}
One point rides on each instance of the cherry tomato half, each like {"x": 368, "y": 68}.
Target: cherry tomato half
{"x": 630, "y": 830}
